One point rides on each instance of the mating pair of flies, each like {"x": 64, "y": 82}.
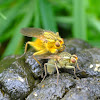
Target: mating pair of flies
{"x": 48, "y": 45}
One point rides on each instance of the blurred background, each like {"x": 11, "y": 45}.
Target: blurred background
{"x": 72, "y": 18}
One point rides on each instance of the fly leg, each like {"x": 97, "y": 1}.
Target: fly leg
{"x": 48, "y": 67}
{"x": 27, "y": 45}
{"x": 57, "y": 73}
{"x": 79, "y": 67}
{"x": 25, "y": 49}
{"x": 36, "y": 60}
{"x": 45, "y": 69}
{"x": 30, "y": 43}
{"x": 75, "y": 73}
{"x": 72, "y": 67}
{"x": 38, "y": 53}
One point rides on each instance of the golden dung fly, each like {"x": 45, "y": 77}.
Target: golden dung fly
{"x": 46, "y": 42}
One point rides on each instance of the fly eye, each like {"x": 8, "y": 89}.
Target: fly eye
{"x": 57, "y": 44}
{"x": 73, "y": 60}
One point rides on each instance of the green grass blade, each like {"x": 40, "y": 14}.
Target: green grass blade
{"x": 64, "y": 19}
{"x": 6, "y": 36}
{"x": 36, "y": 22}
{"x": 47, "y": 16}
{"x": 3, "y": 16}
{"x": 15, "y": 42}
{"x": 36, "y": 14}
{"x": 10, "y": 15}
{"x": 4, "y": 2}
{"x": 79, "y": 18}
{"x": 94, "y": 23}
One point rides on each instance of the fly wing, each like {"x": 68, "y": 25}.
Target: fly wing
{"x": 32, "y": 32}
{"x": 47, "y": 56}
{"x": 42, "y": 34}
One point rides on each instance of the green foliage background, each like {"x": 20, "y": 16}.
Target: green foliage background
{"x": 72, "y": 18}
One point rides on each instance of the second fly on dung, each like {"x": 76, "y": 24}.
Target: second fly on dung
{"x": 46, "y": 42}
{"x": 61, "y": 60}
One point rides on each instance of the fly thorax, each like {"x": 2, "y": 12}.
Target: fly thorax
{"x": 62, "y": 62}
